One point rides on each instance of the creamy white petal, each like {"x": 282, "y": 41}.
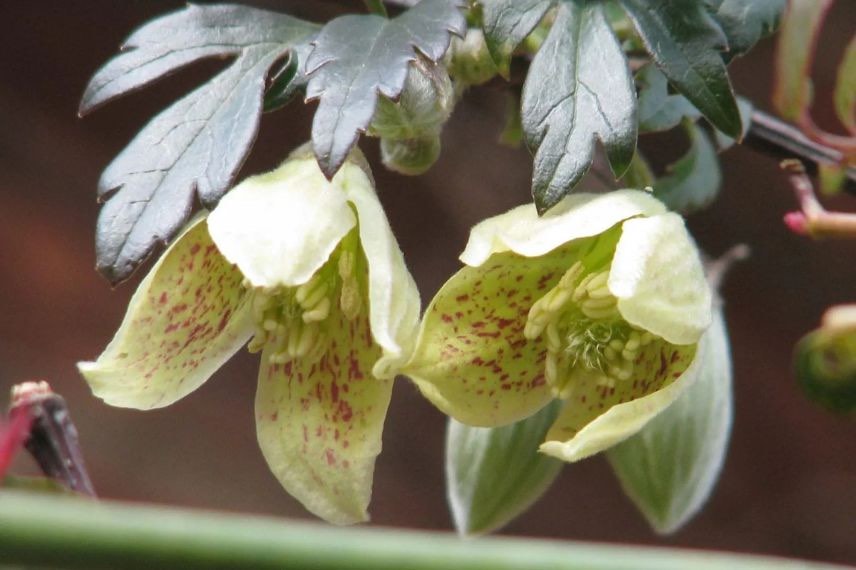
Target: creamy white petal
{"x": 659, "y": 281}
{"x": 279, "y": 228}
{"x": 522, "y": 231}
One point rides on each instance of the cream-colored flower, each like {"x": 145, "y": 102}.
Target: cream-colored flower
{"x": 310, "y": 271}
{"x": 600, "y": 303}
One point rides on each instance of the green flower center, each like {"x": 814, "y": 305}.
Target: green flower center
{"x": 584, "y": 331}
{"x": 294, "y": 321}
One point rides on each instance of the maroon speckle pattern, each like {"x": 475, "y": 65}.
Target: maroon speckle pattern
{"x": 329, "y": 413}
{"x": 180, "y": 324}
{"x": 473, "y": 350}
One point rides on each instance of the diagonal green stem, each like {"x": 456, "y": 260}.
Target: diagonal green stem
{"x": 65, "y": 533}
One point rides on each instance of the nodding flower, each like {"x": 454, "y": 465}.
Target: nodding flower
{"x": 307, "y": 270}
{"x": 599, "y": 303}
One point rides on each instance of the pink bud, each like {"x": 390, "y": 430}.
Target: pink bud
{"x": 797, "y": 223}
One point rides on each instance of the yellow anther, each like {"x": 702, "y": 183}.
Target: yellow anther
{"x": 581, "y": 291}
{"x": 598, "y": 303}
{"x": 314, "y": 297}
{"x": 346, "y": 264}
{"x": 269, "y": 324}
{"x": 319, "y": 313}
{"x": 349, "y": 300}
{"x": 633, "y": 341}
{"x": 599, "y": 312}
{"x": 551, "y": 368}
{"x": 554, "y": 341}
{"x": 308, "y": 337}
{"x": 610, "y": 354}
{"x": 598, "y": 281}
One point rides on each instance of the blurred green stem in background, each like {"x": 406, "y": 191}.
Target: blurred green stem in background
{"x": 60, "y": 532}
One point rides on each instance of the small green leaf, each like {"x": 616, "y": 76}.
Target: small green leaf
{"x": 695, "y": 179}
{"x": 569, "y": 101}
{"x": 686, "y": 44}
{"x": 495, "y": 474}
{"x": 670, "y": 467}
{"x": 845, "y": 89}
{"x": 746, "y": 21}
{"x": 358, "y": 57}
{"x": 658, "y": 109}
{"x": 792, "y": 91}
{"x": 506, "y": 23}
{"x": 194, "y": 147}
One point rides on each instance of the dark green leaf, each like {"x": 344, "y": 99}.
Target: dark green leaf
{"x": 724, "y": 142}
{"x": 506, "y": 23}
{"x": 357, "y": 57}
{"x": 659, "y": 110}
{"x": 695, "y": 179}
{"x": 197, "y": 145}
{"x": 670, "y": 467}
{"x": 495, "y": 474}
{"x": 686, "y": 44}
{"x": 746, "y": 21}
{"x": 578, "y": 89}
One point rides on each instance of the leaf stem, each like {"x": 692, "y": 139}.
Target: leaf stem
{"x": 376, "y": 7}
{"x": 65, "y": 533}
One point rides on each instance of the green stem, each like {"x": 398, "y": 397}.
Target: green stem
{"x": 64, "y": 533}
{"x": 376, "y": 7}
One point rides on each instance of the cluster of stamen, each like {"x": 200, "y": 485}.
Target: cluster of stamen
{"x": 292, "y": 321}
{"x": 584, "y": 331}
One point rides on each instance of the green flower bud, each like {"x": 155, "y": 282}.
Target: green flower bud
{"x": 410, "y": 128}
{"x": 469, "y": 60}
{"x": 410, "y": 156}
{"x": 826, "y": 361}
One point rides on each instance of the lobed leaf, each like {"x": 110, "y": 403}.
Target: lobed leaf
{"x": 695, "y": 179}
{"x": 357, "y": 57}
{"x": 506, "y": 23}
{"x": 686, "y": 44}
{"x": 195, "y": 146}
{"x": 568, "y": 102}
{"x": 746, "y": 21}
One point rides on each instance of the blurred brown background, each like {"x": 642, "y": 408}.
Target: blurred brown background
{"x": 789, "y": 485}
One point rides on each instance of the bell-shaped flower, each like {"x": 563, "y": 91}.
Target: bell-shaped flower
{"x": 600, "y": 302}
{"x": 311, "y": 272}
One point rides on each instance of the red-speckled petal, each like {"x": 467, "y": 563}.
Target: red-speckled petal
{"x": 188, "y": 316}
{"x": 596, "y": 417}
{"x": 472, "y": 360}
{"x": 319, "y": 424}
